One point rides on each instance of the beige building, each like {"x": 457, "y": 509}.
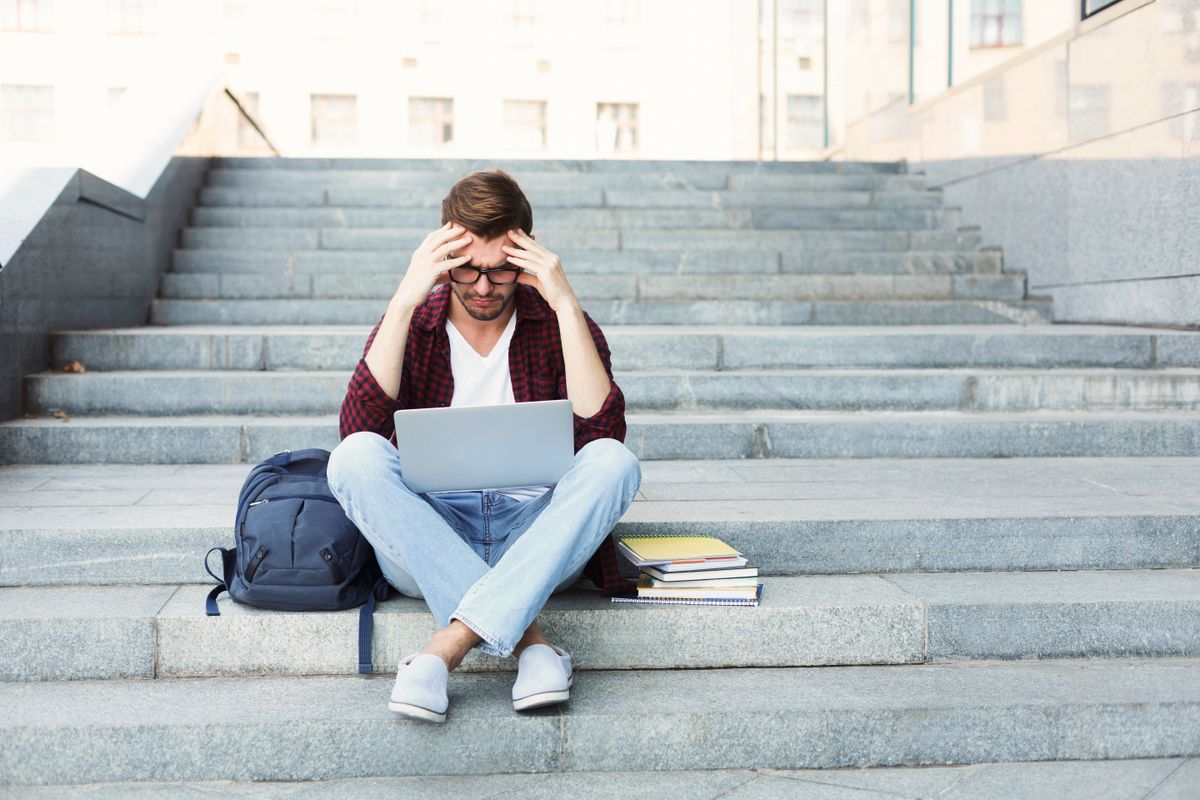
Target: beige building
{"x": 414, "y": 78}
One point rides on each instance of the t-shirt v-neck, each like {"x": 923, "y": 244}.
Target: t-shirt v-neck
{"x": 485, "y": 381}
{"x": 480, "y": 380}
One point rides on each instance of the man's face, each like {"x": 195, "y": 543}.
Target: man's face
{"x": 483, "y": 300}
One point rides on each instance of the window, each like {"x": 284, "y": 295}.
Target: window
{"x": 994, "y": 108}
{"x": 334, "y": 119}
{"x": 898, "y": 20}
{"x": 1177, "y": 17}
{"x": 805, "y": 128}
{"x": 430, "y": 121}
{"x": 859, "y": 21}
{"x": 800, "y": 19}
{"x": 131, "y": 16}
{"x": 1179, "y": 97}
{"x": 524, "y": 21}
{"x": 1181, "y": 16}
{"x": 27, "y": 113}
{"x": 435, "y": 21}
{"x": 995, "y": 23}
{"x": 616, "y": 127}
{"x": 1088, "y": 116}
{"x": 1092, "y": 6}
{"x": 248, "y": 138}
{"x": 234, "y": 12}
{"x": 620, "y": 21}
{"x": 337, "y": 19}
{"x": 525, "y": 124}
{"x": 25, "y": 15}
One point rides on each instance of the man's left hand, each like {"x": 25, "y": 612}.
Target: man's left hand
{"x": 541, "y": 269}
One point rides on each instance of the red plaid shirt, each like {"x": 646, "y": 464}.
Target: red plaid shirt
{"x": 535, "y": 362}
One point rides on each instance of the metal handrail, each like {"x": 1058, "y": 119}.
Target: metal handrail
{"x": 253, "y": 120}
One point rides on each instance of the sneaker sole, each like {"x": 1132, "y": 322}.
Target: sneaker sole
{"x": 544, "y": 698}
{"x": 416, "y": 712}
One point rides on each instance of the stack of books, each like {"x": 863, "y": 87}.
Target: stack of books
{"x": 688, "y": 569}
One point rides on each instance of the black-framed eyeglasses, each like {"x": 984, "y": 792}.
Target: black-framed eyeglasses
{"x": 498, "y": 276}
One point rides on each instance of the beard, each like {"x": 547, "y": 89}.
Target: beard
{"x": 482, "y": 314}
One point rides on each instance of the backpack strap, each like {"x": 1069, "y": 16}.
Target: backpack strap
{"x": 227, "y": 564}
{"x": 366, "y": 624}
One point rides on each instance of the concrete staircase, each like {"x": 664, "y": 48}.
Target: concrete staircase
{"x": 983, "y": 527}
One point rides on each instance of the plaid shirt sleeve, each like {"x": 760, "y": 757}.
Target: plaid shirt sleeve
{"x": 367, "y": 407}
{"x": 609, "y": 421}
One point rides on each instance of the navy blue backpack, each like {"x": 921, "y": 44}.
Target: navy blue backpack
{"x": 296, "y": 550}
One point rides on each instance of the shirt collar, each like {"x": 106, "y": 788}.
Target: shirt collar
{"x": 434, "y": 311}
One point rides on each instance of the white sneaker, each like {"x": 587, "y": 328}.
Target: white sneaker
{"x": 544, "y": 677}
{"x": 420, "y": 689}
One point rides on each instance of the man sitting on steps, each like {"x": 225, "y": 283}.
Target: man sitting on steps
{"x": 506, "y": 328}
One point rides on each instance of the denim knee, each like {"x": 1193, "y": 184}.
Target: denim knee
{"x": 617, "y": 460}
{"x": 358, "y": 451}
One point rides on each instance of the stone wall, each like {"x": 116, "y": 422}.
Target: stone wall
{"x": 93, "y": 261}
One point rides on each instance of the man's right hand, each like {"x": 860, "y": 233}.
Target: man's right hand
{"x": 430, "y": 265}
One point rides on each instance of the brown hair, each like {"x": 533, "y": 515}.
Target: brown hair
{"x": 488, "y": 203}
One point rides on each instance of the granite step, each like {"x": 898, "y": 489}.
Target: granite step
{"x": 629, "y": 287}
{"x": 298, "y": 347}
{"x": 292, "y": 239}
{"x": 827, "y": 217}
{"x": 637, "y": 262}
{"x": 756, "y": 434}
{"x": 1032, "y": 311}
{"x": 314, "y": 197}
{"x": 151, "y": 524}
{"x": 331, "y": 727}
{"x": 458, "y": 166}
{"x": 229, "y": 392}
{"x": 409, "y": 181}
{"x": 101, "y": 632}
{"x": 1124, "y": 779}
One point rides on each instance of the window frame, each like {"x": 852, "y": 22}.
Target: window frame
{"x": 43, "y": 18}
{"x": 984, "y": 45}
{"x": 1083, "y": 12}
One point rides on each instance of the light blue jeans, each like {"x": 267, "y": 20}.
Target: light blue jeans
{"x": 483, "y": 558}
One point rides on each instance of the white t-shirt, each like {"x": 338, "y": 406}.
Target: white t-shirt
{"x": 485, "y": 381}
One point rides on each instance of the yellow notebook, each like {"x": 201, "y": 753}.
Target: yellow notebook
{"x": 661, "y": 549}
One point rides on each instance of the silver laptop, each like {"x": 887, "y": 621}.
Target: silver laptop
{"x": 485, "y": 447}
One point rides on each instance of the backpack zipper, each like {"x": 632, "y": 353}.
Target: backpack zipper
{"x": 293, "y": 497}
{"x": 252, "y": 567}
{"x": 334, "y": 566}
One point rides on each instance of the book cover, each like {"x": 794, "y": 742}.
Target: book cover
{"x": 659, "y": 573}
{"x": 737, "y": 583}
{"x": 664, "y": 549}
{"x": 646, "y": 589}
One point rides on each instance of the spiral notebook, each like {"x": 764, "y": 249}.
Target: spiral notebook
{"x": 631, "y": 596}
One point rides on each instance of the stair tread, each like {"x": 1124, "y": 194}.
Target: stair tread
{"x": 91, "y": 497}
{"x": 316, "y": 727}
{"x": 781, "y": 593}
{"x": 1167, "y": 777}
